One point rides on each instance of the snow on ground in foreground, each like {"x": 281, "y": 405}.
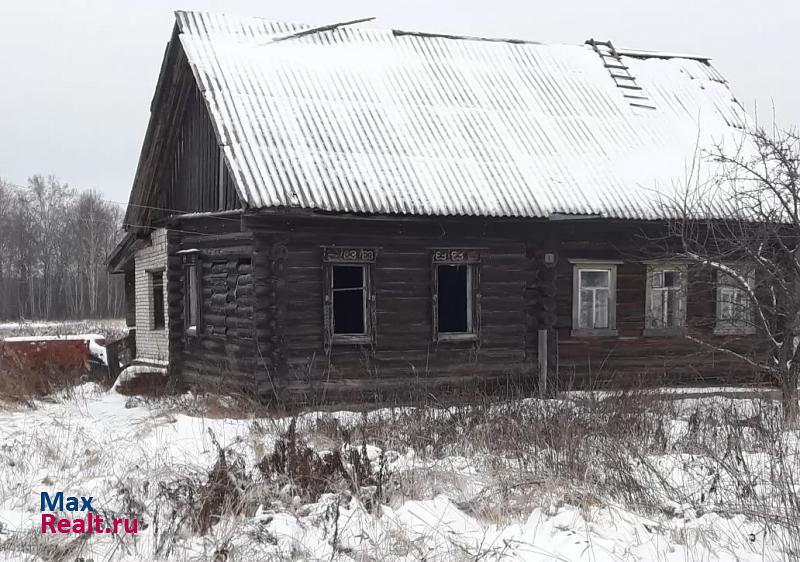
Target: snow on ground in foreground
{"x": 97, "y": 443}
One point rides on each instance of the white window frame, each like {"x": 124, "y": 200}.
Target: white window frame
{"x": 724, "y": 326}
{"x": 653, "y": 271}
{"x": 579, "y": 266}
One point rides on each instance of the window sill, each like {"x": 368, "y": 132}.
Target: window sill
{"x": 664, "y": 332}
{"x": 351, "y": 339}
{"x": 593, "y": 333}
{"x": 456, "y": 337}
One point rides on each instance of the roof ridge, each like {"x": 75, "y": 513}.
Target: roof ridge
{"x": 305, "y": 28}
{"x": 427, "y": 34}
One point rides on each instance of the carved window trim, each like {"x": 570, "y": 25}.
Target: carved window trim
{"x": 471, "y": 258}
{"x": 365, "y": 257}
{"x": 345, "y": 254}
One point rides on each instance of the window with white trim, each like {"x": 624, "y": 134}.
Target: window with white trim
{"x": 594, "y": 298}
{"x": 666, "y": 298}
{"x": 734, "y": 307}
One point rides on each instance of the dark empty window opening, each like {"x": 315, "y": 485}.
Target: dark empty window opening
{"x": 158, "y": 300}
{"x": 192, "y": 303}
{"x": 454, "y": 299}
{"x": 349, "y": 300}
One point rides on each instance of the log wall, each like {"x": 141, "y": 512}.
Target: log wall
{"x": 404, "y": 356}
{"x": 222, "y": 355}
{"x": 263, "y": 322}
{"x": 631, "y": 358}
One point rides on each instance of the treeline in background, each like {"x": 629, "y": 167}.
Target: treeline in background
{"x": 54, "y": 241}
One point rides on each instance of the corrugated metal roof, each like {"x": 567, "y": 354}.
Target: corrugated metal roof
{"x": 364, "y": 120}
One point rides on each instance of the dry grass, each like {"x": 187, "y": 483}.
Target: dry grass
{"x": 587, "y": 451}
{"x": 20, "y": 382}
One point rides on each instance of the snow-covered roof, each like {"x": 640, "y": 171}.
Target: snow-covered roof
{"x": 379, "y": 121}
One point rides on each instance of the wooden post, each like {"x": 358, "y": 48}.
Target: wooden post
{"x": 542, "y": 355}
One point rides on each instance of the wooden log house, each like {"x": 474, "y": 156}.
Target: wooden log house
{"x": 343, "y": 212}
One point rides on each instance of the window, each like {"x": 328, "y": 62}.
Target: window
{"x": 349, "y": 300}
{"x": 455, "y": 295}
{"x": 594, "y": 298}
{"x": 734, "y": 312}
{"x": 157, "y": 308}
{"x": 191, "y": 291}
{"x": 666, "y": 298}
{"x": 192, "y": 299}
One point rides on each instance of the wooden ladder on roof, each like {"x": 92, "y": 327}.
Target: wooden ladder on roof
{"x": 621, "y": 74}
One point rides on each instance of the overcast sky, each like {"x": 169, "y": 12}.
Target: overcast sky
{"x": 76, "y": 76}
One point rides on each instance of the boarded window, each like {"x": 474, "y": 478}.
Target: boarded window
{"x": 666, "y": 297}
{"x": 594, "y": 298}
{"x": 157, "y": 296}
{"x": 455, "y": 294}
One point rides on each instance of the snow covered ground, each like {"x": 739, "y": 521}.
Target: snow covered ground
{"x": 109, "y": 328}
{"x": 570, "y": 479}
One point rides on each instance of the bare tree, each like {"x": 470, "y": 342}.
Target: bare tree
{"x": 744, "y": 226}
{"x": 53, "y": 245}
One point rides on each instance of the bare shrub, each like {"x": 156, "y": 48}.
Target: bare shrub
{"x": 313, "y": 474}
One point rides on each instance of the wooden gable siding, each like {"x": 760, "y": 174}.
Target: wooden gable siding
{"x": 404, "y": 359}
{"x": 178, "y": 169}
{"x": 192, "y": 183}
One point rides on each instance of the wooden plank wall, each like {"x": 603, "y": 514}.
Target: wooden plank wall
{"x": 404, "y": 356}
{"x": 632, "y": 359}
